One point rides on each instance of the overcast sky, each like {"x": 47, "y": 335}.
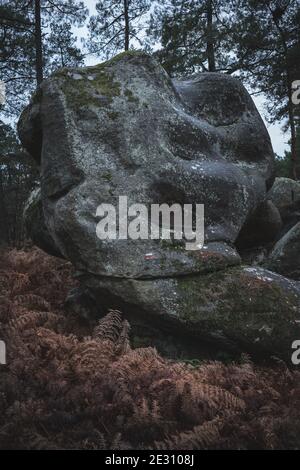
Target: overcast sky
{"x": 279, "y": 140}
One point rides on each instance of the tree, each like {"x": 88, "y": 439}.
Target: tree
{"x": 193, "y": 36}
{"x": 58, "y": 16}
{"x": 267, "y": 44}
{"x": 283, "y": 165}
{"x": 18, "y": 175}
{"x": 210, "y": 45}
{"x": 116, "y": 26}
{"x": 16, "y": 54}
{"x": 35, "y": 37}
{"x": 38, "y": 42}
{"x": 61, "y": 46}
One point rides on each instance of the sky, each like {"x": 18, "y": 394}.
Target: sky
{"x": 279, "y": 140}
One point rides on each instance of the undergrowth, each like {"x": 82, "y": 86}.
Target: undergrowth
{"x": 67, "y": 385}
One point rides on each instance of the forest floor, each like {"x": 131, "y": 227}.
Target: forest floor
{"x": 69, "y": 384}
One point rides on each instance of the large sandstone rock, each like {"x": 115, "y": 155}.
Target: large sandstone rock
{"x": 285, "y": 256}
{"x": 262, "y": 227}
{"x": 252, "y": 308}
{"x": 123, "y": 128}
{"x": 285, "y": 194}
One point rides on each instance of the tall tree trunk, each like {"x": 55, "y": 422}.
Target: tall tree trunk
{"x": 210, "y": 39}
{"x": 291, "y": 114}
{"x": 294, "y": 159}
{"x": 38, "y": 42}
{"x": 127, "y": 30}
{"x": 3, "y": 214}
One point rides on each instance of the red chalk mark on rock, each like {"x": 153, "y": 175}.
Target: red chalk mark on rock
{"x": 150, "y": 256}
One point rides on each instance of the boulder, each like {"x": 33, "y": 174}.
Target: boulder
{"x": 250, "y": 308}
{"x": 285, "y": 256}
{"x": 124, "y": 128}
{"x": 285, "y": 194}
{"x": 262, "y": 227}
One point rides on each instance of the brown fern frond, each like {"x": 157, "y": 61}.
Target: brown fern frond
{"x": 123, "y": 343}
{"x": 32, "y": 302}
{"x": 33, "y": 319}
{"x": 201, "y": 437}
{"x": 109, "y": 327}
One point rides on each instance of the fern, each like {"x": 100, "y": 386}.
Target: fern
{"x": 73, "y": 385}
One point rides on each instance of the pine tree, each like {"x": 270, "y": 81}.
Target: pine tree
{"x": 18, "y": 175}
{"x": 36, "y": 37}
{"x": 267, "y": 44}
{"x": 16, "y": 53}
{"x": 117, "y": 26}
{"x": 193, "y": 36}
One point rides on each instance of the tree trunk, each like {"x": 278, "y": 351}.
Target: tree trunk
{"x": 3, "y": 214}
{"x": 291, "y": 114}
{"x": 210, "y": 39}
{"x": 38, "y": 42}
{"x": 294, "y": 162}
{"x": 127, "y": 29}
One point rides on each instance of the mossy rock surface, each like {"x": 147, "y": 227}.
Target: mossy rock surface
{"x": 248, "y": 309}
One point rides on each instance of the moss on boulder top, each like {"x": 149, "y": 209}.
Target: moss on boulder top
{"x": 97, "y": 85}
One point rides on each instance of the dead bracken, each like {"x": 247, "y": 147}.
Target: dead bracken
{"x": 70, "y": 385}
